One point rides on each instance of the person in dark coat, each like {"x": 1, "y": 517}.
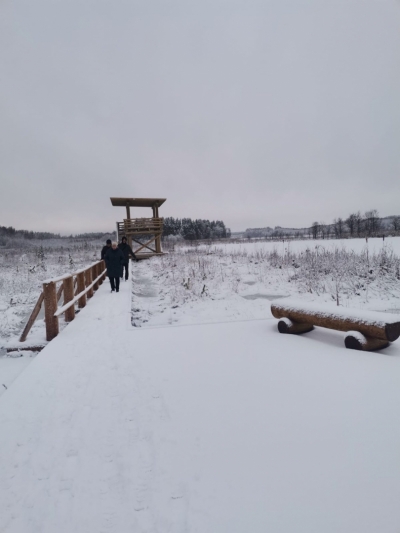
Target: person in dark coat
{"x": 114, "y": 259}
{"x": 106, "y": 248}
{"x": 127, "y": 251}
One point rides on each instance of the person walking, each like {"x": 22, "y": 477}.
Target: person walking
{"x": 127, "y": 251}
{"x": 114, "y": 259}
{"x": 106, "y": 248}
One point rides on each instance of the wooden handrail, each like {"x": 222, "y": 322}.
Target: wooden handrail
{"x": 144, "y": 220}
{"x": 140, "y": 225}
{"x": 69, "y": 304}
{"x": 83, "y": 279}
{"x": 64, "y": 276}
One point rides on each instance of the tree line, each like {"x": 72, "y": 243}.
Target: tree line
{"x": 10, "y": 232}
{"x": 190, "y": 229}
{"x": 368, "y": 224}
{"x": 356, "y": 224}
{"x": 25, "y": 234}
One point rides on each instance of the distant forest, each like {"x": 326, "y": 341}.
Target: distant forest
{"x": 195, "y": 229}
{"x": 10, "y": 232}
{"x": 185, "y": 228}
{"x": 357, "y": 224}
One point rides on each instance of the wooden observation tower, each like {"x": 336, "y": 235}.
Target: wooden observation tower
{"x": 143, "y": 228}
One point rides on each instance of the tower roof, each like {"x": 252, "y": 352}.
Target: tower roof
{"x": 137, "y": 202}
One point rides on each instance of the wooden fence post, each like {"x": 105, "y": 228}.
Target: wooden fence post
{"x": 81, "y": 287}
{"x": 32, "y": 318}
{"x": 94, "y": 276}
{"x": 68, "y": 296}
{"x": 50, "y": 307}
{"x": 103, "y": 267}
{"x": 99, "y": 271}
{"x": 88, "y": 281}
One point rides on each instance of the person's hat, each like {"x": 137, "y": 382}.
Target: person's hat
{"x": 108, "y": 241}
{"x": 123, "y": 239}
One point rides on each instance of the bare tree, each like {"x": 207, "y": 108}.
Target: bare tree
{"x": 322, "y": 228}
{"x": 315, "y": 230}
{"x": 359, "y": 223}
{"x": 395, "y": 223}
{"x": 351, "y": 222}
{"x": 338, "y": 227}
{"x": 372, "y": 222}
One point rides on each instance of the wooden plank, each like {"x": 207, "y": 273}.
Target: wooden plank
{"x": 25, "y": 348}
{"x": 60, "y": 291}
{"x": 95, "y": 274}
{"x": 80, "y": 288}
{"x": 32, "y": 318}
{"x": 88, "y": 282}
{"x": 68, "y": 297}
{"x": 145, "y": 246}
{"x": 50, "y": 307}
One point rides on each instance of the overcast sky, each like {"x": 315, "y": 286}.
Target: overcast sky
{"x": 256, "y": 112}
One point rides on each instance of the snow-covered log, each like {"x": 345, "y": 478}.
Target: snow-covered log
{"x": 285, "y": 325}
{"x": 371, "y": 324}
{"x": 357, "y": 341}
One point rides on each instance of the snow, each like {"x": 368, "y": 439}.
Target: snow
{"x": 12, "y": 365}
{"x": 357, "y": 335}
{"x": 213, "y": 427}
{"x": 374, "y": 318}
{"x": 287, "y": 321}
{"x": 374, "y": 245}
{"x": 211, "y": 284}
{"x": 156, "y": 302}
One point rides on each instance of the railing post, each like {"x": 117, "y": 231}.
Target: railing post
{"x": 50, "y": 307}
{"x": 68, "y": 296}
{"x": 99, "y": 271}
{"x": 88, "y": 281}
{"x": 81, "y": 287}
{"x": 94, "y": 276}
{"x": 103, "y": 267}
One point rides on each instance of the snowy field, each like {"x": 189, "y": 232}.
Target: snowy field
{"x": 374, "y": 244}
{"x": 204, "y": 428}
{"x": 236, "y": 281}
{"x": 203, "y": 284}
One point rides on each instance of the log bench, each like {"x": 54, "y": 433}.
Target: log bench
{"x": 365, "y": 330}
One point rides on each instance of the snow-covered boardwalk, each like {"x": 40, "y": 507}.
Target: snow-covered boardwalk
{"x": 215, "y": 428}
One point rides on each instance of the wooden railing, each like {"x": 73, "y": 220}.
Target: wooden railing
{"x": 140, "y": 225}
{"x": 77, "y": 287}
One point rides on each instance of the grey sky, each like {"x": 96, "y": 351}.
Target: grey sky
{"x": 255, "y": 112}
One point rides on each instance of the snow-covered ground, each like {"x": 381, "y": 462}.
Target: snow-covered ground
{"x": 219, "y": 427}
{"x": 374, "y": 244}
{"x": 22, "y": 271}
{"x": 208, "y": 284}
{"x": 237, "y": 281}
